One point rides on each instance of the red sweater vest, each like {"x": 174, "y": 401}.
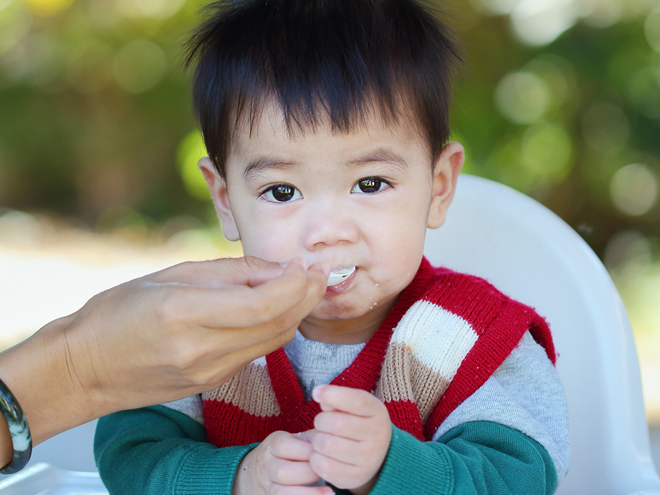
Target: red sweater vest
{"x": 446, "y": 335}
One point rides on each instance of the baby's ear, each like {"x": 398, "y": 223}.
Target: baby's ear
{"x": 218, "y": 187}
{"x": 445, "y": 174}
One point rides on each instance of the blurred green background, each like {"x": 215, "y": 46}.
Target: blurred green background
{"x": 559, "y": 99}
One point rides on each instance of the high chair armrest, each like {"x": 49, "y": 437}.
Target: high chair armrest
{"x": 45, "y": 479}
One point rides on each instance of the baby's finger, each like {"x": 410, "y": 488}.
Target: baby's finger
{"x": 339, "y": 449}
{"x": 276, "y": 489}
{"x": 291, "y": 447}
{"x": 344, "y": 425}
{"x": 350, "y": 400}
{"x": 290, "y": 473}
{"x": 338, "y": 473}
{"x": 306, "y": 436}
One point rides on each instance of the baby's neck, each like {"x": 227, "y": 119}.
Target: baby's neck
{"x": 345, "y": 332}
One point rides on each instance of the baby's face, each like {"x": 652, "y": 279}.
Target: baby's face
{"x": 358, "y": 200}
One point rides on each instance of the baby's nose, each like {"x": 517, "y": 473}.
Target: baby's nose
{"x": 329, "y": 226}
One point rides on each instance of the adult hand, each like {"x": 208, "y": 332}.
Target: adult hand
{"x": 279, "y": 466}
{"x": 162, "y": 337}
{"x": 351, "y": 437}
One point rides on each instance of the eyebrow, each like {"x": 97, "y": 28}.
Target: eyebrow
{"x": 260, "y": 164}
{"x": 380, "y": 155}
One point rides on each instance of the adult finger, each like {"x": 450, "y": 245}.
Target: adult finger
{"x": 283, "y": 301}
{"x": 317, "y": 277}
{"x": 248, "y": 271}
{"x": 350, "y": 400}
{"x": 199, "y": 369}
{"x": 238, "y": 305}
{"x": 211, "y": 344}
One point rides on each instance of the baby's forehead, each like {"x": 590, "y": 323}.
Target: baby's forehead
{"x": 270, "y": 127}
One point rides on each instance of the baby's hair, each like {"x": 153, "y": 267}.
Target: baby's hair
{"x": 320, "y": 60}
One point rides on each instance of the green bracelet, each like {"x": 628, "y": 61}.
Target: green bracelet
{"x": 19, "y": 429}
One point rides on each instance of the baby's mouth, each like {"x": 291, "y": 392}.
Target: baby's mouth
{"x": 339, "y": 274}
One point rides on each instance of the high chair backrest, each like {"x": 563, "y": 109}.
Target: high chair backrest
{"x": 533, "y": 256}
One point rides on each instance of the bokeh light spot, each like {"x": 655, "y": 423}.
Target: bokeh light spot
{"x": 539, "y": 22}
{"x": 48, "y": 7}
{"x": 103, "y": 13}
{"x": 546, "y": 153}
{"x": 628, "y": 254}
{"x": 19, "y": 229}
{"x": 604, "y": 13}
{"x": 36, "y": 59}
{"x": 155, "y": 9}
{"x": 554, "y": 71}
{"x": 15, "y": 23}
{"x": 605, "y": 127}
{"x": 139, "y": 66}
{"x": 634, "y": 189}
{"x": 652, "y": 29}
{"x": 190, "y": 150}
{"x": 495, "y": 7}
{"x": 89, "y": 67}
{"x": 522, "y": 97}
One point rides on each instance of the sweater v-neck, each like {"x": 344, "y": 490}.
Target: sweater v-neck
{"x": 363, "y": 373}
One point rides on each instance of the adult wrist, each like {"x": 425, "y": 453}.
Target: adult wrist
{"x": 41, "y": 373}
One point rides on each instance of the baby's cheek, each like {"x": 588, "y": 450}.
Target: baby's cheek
{"x": 269, "y": 251}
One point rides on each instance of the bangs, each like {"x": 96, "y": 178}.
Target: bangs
{"x": 319, "y": 61}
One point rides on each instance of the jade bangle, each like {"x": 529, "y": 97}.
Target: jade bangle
{"x": 19, "y": 429}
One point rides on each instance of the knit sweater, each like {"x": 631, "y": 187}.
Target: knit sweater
{"x": 510, "y": 436}
{"x": 445, "y": 336}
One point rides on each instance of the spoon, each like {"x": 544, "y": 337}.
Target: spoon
{"x": 339, "y": 274}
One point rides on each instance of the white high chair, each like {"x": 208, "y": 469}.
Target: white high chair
{"x": 532, "y": 255}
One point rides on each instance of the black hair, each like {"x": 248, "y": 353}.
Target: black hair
{"x": 319, "y": 59}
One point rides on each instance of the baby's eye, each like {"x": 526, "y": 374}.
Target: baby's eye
{"x": 281, "y": 193}
{"x": 370, "y": 185}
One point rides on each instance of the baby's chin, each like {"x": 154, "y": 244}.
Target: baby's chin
{"x": 346, "y": 323}
{"x": 348, "y": 309}
{"x": 333, "y": 313}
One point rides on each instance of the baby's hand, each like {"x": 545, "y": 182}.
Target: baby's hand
{"x": 351, "y": 438}
{"x": 279, "y": 466}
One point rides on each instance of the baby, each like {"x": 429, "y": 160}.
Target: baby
{"x": 326, "y": 123}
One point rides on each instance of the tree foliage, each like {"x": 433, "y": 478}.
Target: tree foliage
{"x": 559, "y": 99}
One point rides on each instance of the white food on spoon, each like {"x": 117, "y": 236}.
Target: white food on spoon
{"x": 339, "y": 274}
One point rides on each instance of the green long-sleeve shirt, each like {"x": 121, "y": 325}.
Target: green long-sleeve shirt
{"x": 159, "y": 451}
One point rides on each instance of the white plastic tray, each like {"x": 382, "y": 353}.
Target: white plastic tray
{"x": 45, "y": 479}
